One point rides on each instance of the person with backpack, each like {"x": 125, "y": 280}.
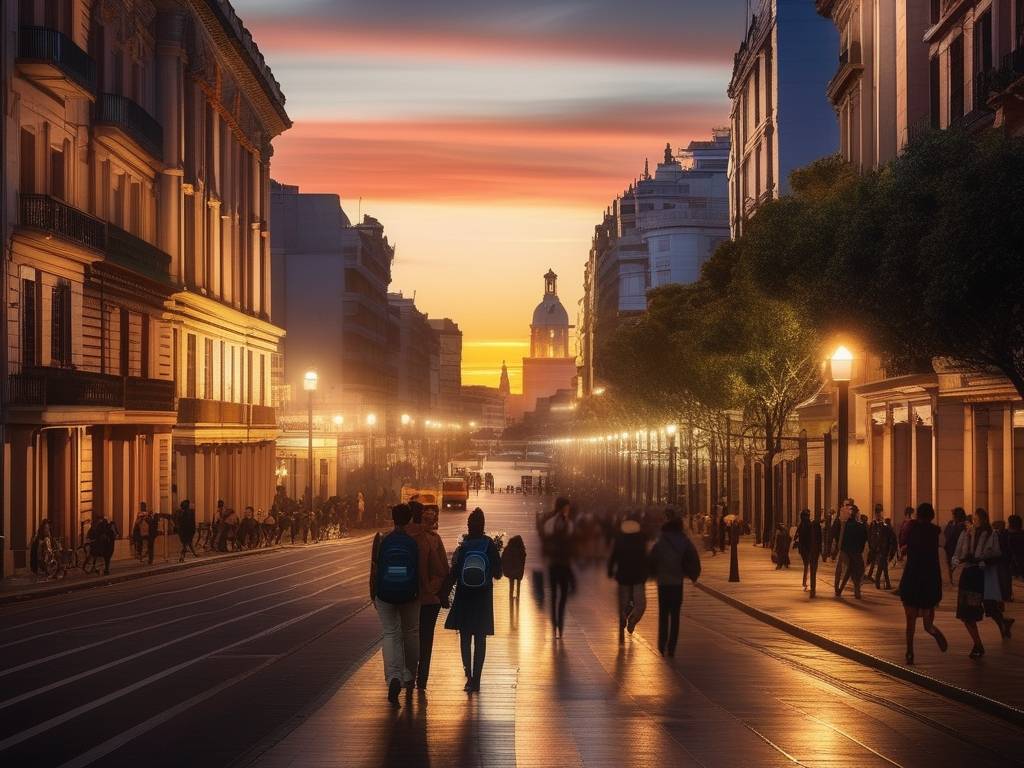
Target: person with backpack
{"x": 558, "y": 531}
{"x": 433, "y": 572}
{"x": 628, "y": 566}
{"x": 475, "y": 566}
{"x": 672, "y": 558}
{"x": 394, "y": 591}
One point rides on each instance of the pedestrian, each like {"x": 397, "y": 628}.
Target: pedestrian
{"x": 951, "y": 535}
{"x": 827, "y": 533}
{"x": 885, "y": 550}
{"x": 629, "y": 567}
{"x": 102, "y": 534}
{"x": 1003, "y": 564}
{"x": 780, "y": 550}
{"x": 558, "y": 531}
{"x": 672, "y": 557}
{"x": 979, "y": 590}
{"x": 148, "y": 530}
{"x": 1015, "y": 544}
{"x": 475, "y": 566}
{"x": 875, "y": 532}
{"x": 185, "y": 523}
{"x": 513, "y": 565}
{"x": 908, "y": 518}
{"x": 394, "y": 591}
{"x": 921, "y": 583}
{"x": 808, "y": 543}
{"x": 852, "y": 542}
{"x": 433, "y": 575}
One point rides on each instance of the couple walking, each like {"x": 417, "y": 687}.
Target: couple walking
{"x": 410, "y": 581}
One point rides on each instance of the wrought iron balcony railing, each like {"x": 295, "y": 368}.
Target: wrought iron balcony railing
{"x": 55, "y": 217}
{"x": 133, "y": 120}
{"x": 52, "y": 49}
{"x": 42, "y": 387}
{"x": 136, "y": 254}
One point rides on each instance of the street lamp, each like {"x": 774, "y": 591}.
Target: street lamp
{"x": 309, "y": 382}
{"x": 406, "y": 419}
{"x": 841, "y": 368}
{"x": 339, "y": 420}
{"x": 671, "y": 430}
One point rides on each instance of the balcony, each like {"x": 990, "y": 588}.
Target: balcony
{"x": 54, "y": 61}
{"x": 131, "y": 252}
{"x": 850, "y": 64}
{"x": 44, "y": 387}
{"x": 56, "y": 218}
{"x": 142, "y": 394}
{"x": 129, "y": 121}
{"x": 193, "y": 410}
{"x": 684, "y": 216}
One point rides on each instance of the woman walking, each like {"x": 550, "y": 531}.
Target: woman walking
{"x": 475, "y": 565}
{"x": 808, "y": 543}
{"x": 513, "y": 565}
{"x": 921, "y": 585}
{"x": 980, "y": 594}
{"x": 781, "y": 554}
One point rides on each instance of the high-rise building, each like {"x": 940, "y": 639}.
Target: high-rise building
{"x": 416, "y": 347}
{"x": 450, "y": 365}
{"x": 781, "y": 118}
{"x": 137, "y": 341}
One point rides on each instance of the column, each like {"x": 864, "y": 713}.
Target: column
{"x": 169, "y": 57}
{"x": 1009, "y": 479}
{"x": 888, "y": 499}
{"x": 970, "y": 458}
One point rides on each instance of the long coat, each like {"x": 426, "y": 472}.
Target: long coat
{"x": 473, "y": 608}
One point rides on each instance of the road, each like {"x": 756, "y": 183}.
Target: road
{"x": 273, "y": 661}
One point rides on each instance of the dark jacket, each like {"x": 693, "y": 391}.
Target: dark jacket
{"x": 558, "y": 532}
{"x": 855, "y": 536}
{"x": 513, "y": 558}
{"x": 473, "y": 608}
{"x": 670, "y": 550}
{"x": 433, "y": 562}
{"x": 808, "y": 539}
{"x": 952, "y": 534}
{"x": 628, "y": 561}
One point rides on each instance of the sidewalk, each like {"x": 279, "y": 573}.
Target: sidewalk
{"x": 871, "y": 630}
{"x": 28, "y": 587}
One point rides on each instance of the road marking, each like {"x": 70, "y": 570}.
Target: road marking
{"x": 135, "y": 616}
{"x": 116, "y": 742}
{"x": 89, "y": 672}
{"x": 53, "y": 722}
{"x": 152, "y": 595}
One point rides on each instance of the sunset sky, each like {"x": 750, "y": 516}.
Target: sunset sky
{"x": 488, "y": 137}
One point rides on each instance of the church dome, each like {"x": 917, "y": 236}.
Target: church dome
{"x": 550, "y": 313}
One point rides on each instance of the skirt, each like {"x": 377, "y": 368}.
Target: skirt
{"x": 971, "y": 594}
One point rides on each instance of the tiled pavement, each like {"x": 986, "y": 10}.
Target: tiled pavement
{"x": 738, "y": 693}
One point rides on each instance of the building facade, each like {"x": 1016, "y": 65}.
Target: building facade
{"x": 781, "y": 118}
{"x": 449, "y": 366}
{"x": 137, "y": 339}
{"x": 550, "y": 367}
{"x": 416, "y": 351}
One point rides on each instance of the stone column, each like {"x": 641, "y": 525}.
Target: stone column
{"x": 169, "y": 70}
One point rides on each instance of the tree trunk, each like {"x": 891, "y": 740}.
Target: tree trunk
{"x": 768, "y": 498}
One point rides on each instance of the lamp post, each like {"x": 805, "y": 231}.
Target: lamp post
{"x": 309, "y": 382}
{"x": 841, "y": 368}
{"x": 671, "y": 430}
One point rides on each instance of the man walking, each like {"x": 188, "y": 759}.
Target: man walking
{"x": 808, "y": 544}
{"x": 628, "y": 566}
{"x": 852, "y": 542}
{"x": 558, "y": 531}
{"x": 875, "y": 532}
{"x": 952, "y": 533}
{"x": 672, "y": 557}
{"x": 885, "y": 548}
{"x": 433, "y": 573}
{"x": 394, "y": 591}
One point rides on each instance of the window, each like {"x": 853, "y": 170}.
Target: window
{"x": 263, "y": 379}
{"x": 248, "y": 376}
{"x": 208, "y": 369}
{"x": 175, "y": 358}
{"x": 144, "y": 347}
{"x": 956, "y": 79}
{"x": 27, "y": 13}
{"x": 135, "y": 210}
{"x": 28, "y": 161}
{"x": 220, "y": 368}
{"x": 983, "y": 42}
{"x": 933, "y": 86}
{"x": 117, "y": 211}
{"x": 29, "y": 357}
{"x": 60, "y": 324}
{"x": 935, "y": 11}
{"x": 190, "y": 363}
{"x": 57, "y": 173}
{"x": 1018, "y": 23}
{"x": 126, "y": 340}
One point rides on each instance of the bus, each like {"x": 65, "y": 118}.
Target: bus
{"x": 454, "y": 493}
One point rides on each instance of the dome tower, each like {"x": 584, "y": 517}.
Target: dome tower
{"x": 549, "y": 331}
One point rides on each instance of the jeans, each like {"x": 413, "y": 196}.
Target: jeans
{"x": 401, "y": 643}
{"x": 854, "y": 569}
{"x": 632, "y": 604}
{"x": 560, "y": 577}
{"x": 882, "y": 570}
{"x": 428, "y": 621}
{"x": 670, "y": 601}
{"x": 473, "y": 658}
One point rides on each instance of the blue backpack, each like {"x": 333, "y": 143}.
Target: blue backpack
{"x": 398, "y": 579}
{"x": 476, "y": 566}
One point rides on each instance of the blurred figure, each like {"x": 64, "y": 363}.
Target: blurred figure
{"x": 434, "y": 586}
{"x": 853, "y": 540}
{"x": 921, "y": 584}
{"x": 102, "y": 534}
{"x": 808, "y": 544}
{"x": 475, "y": 565}
{"x": 875, "y": 532}
{"x": 628, "y": 566}
{"x": 185, "y": 524}
{"x": 951, "y": 534}
{"x": 1015, "y": 544}
{"x": 980, "y": 594}
{"x": 513, "y": 566}
{"x": 780, "y": 549}
{"x": 885, "y": 550}
{"x": 672, "y": 558}
{"x": 558, "y": 531}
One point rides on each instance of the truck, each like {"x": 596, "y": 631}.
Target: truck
{"x": 425, "y": 496}
{"x": 454, "y": 493}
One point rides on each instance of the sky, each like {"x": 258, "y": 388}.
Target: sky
{"x": 489, "y": 137}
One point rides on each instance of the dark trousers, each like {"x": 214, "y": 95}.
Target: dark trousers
{"x": 186, "y": 543}
{"x": 670, "y": 601}
{"x": 882, "y": 570}
{"x": 428, "y": 621}
{"x": 855, "y": 570}
{"x": 151, "y": 546}
{"x": 811, "y": 570}
{"x": 473, "y": 657}
{"x": 561, "y": 579}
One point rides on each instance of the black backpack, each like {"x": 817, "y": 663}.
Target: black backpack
{"x": 398, "y": 579}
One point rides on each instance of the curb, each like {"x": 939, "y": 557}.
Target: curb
{"x": 157, "y": 570}
{"x": 998, "y": 709}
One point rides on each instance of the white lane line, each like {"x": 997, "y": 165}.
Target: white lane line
{"x": 151, "y": 595}
{"x": 90, "y": 672}
{"x": 53, "y": 722}
{"x": 116, "y": 742}
{"x": 134, "y": 616}
{"x": 114, "y": 638}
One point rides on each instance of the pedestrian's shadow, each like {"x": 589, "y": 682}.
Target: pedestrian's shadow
{"x": 407, "y": 735}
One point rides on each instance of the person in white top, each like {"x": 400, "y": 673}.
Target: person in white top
{"x": 980, "y": 594}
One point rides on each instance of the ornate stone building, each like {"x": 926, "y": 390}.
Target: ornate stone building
{"x": 137, "y": 340}
{"x": 550, "y": 366}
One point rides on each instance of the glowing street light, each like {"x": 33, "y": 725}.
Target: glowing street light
{"x": 339, "y": 420}
{"x": 841, "y": 368}
{"x": 371, "y": 419}
{"x": 841, "y": 364}
{"x": 406, "y": 419}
